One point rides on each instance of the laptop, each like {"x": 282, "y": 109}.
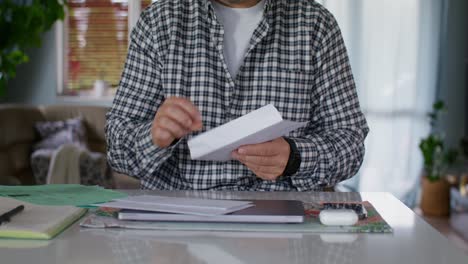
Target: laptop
{"x": 263, "y": 211}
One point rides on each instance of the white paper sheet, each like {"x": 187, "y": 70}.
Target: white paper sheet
{"x": 261, "y": 125}
{"x": 192, "y": 206}
{"x": 185, "y": 202}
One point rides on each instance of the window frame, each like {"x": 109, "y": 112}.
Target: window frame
{"x": 61, "y": 36}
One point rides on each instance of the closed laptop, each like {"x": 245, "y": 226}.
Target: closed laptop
{"x": 264, "y": 211}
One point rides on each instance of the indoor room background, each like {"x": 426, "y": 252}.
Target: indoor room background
{"x": 405, "y": 54}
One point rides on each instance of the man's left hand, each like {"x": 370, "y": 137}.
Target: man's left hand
{"x": 267, "y": 160}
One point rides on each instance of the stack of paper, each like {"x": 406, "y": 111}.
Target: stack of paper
{"x": 258, "y": 126}
{"x": 191, "y": 206}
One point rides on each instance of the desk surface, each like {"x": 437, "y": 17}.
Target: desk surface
{"x": 413, "y": 241}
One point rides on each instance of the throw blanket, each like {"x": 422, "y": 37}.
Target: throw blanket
{"x": 65, "y": 165}
{"x": 68, "y": 164}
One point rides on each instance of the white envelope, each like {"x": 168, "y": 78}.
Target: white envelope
{"x": 261, "y": 125}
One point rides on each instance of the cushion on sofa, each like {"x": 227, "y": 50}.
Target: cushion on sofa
{"x": 56, "y": 133}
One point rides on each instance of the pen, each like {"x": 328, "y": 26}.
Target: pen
{"x": 17, "y": 195}
{"x": 6, "y": 216}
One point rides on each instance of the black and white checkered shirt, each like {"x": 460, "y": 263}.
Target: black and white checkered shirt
{"x": 297, "y": 61}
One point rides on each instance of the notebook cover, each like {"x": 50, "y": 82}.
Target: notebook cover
{"x": 32, "y": 223}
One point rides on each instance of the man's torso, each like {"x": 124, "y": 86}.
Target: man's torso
{"x": 278, "y": 68}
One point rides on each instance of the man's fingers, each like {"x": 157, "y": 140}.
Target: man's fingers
{"x": 190, "y": 109}
{"x": 264, "y": 172}
{"x": 163, "y": 138}
{"x": 262, "y": 149}
{"x": 257, "y": 160}
{"x": 177, "y": 114}
{"x": 175, "y": 118}
{"x": 257, "y": 167}
{"x": 173, "y": 127}
{"x": 262, "y": 169}
{"x": 267, "y": 160}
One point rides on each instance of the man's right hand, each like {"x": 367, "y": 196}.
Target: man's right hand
{"x": 175, "y": 118}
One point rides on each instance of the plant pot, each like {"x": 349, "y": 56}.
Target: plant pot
{"x": 435, "y": 200}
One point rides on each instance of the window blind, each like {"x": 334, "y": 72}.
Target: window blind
{"x": 97, "y": 41}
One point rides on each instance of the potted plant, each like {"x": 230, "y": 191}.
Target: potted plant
{"x": 22, "y": 24}
{"x": 435, "y": 198}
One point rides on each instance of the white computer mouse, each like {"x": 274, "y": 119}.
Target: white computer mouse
{"x": 338, "y": 217}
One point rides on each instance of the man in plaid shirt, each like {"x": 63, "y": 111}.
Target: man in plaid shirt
{"x": 184, "y": 76}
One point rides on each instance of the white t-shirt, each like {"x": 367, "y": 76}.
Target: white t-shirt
{"x": 239, "y": 25}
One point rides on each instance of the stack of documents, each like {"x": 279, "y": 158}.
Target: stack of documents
{"x": 258, "y": 126}
{"x": 197, "y": 210}
{"x": 187, "y": 206}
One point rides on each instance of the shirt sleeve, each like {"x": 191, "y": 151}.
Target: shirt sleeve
{"x": 333, "y": 148}
{"x": 130, "y": 149}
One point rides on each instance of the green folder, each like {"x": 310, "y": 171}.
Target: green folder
{"x": 60, "y": 194}
{"x": 37, "y": 221}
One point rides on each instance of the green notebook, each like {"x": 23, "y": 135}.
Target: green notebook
{"x": 37, "y": 221}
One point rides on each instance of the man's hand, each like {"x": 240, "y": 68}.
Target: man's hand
{"x": 175, "y": 118}
{"x": 267, "y": 160}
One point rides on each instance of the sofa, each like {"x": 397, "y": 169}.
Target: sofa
{"x": 18, "y": 135}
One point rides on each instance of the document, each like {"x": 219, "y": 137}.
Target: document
{"x": 261, "y": 125}
{"x": 191, "y": 206}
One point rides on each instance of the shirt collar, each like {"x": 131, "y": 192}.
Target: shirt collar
{"x": 267, "y": 11}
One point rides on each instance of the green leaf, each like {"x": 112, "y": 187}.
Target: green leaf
{"x": 439, "y": 105}
{"x": 22, "y": 24}
{"x": 17, "y": 57}
{"x": 430, "y": 147}
{"x": 433, "y": 178}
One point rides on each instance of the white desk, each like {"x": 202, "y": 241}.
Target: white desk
{"x": 413, "y": 241}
